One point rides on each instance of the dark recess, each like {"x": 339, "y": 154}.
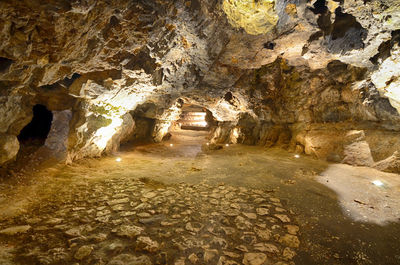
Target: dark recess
{"x": 38, "y": 129}
{"x": 5, "y": 63}
{"x": 269, "y": 45}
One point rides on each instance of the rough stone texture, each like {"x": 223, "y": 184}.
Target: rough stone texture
{"x": 390, "y": 164}
{"x": 9, "y": 147}
{"x": 266, "y": 79}
{"x": 118, "y": 221}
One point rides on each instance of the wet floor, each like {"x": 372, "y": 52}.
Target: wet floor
{"x": 180, "y": 203}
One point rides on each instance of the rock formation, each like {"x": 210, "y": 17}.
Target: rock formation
{"x": 320, "y": 77}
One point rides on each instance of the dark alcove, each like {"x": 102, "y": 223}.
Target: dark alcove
{"x": 37, "y": 130}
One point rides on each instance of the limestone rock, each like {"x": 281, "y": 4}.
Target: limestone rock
{"x": 9, "y": 147}
{"x": 390, "y": 164}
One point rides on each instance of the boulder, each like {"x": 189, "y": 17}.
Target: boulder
{"x": 390, "y": 164}
{"x": 9, "y": 147}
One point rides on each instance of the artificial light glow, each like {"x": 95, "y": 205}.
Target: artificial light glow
{"x": 227, "y": 145}
{"x": 207, "y": 143}
{"x": 118, "y": 159}
{"x": 201, "y": 123}
{"x": 203, "y": 114}
{"x": 377, "y": 183}
{"x": 256, "y": 17}
{"x": 171, "y": 145}
{"x": 296, "y": 156}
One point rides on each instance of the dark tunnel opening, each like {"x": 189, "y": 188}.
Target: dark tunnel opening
{"x": 37, "y": 130}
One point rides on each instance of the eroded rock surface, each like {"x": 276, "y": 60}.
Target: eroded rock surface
{"x": 175, "y": 224}
{"x": 270, "y": 72}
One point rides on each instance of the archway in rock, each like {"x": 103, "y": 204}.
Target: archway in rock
{"x": 195, "y": 118}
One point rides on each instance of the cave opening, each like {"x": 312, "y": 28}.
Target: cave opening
{"x": 195, "y": 118}
{"x": 36, "y": 132}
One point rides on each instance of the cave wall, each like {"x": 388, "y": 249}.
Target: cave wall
{"x": 304, "y": 70}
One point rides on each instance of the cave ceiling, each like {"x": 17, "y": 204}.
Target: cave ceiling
{"x": 104, "y": 58}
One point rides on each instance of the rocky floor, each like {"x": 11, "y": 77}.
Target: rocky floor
{"x": 129, "y": 221}
{"x": 184, "y": 204}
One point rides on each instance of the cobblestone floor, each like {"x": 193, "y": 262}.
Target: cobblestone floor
{"x": 128, "y": 221}
{"x": 184, "y": 204}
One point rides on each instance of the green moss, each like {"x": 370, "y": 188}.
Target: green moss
{"x": 105, "y": 109}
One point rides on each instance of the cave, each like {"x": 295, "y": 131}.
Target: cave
{"x": 36, "y": 131}
{"x": 199, "y": 132}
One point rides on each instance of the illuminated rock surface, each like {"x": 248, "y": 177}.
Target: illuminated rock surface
{"x": 285, "y": 65}
{"x": 79, "y": 79}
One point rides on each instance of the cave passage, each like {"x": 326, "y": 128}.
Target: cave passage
{"x": 194, "y": 118}
{"x": 37, "y": 130}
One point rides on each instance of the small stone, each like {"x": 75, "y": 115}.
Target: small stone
{"x": 54, "y": 221}
{"x": 118, "y": 207}
{"x": 232, "y": 255}
{"x": 143, "y": 215}
{"x": 145, "y": 243}
{"x": 251, "y": 216}
{"x": 118, "y": 201}
{"x": 292, "y": 229}
{"x": 125, "y": 214}
{"x": 78, "y": 209}
{"x": 279, "y": 209}
{"x": 149, "y": 195}
{"x": 193, "y": 258}
{"x": 224, "y": 261}
{"x": 83, "y": 252}
{"x": 274, "y": 200}
{"x": 180, "y": 261}
{"x": 290, "y": 241}
{"x": 288, "y": 254}
{"x": 193, "y": 227}
{"x": 284, "y": 218}
{"x": 235, "y": 205}
{"x": 254, "y": 258}
{"x": 15, "y": 230}
{"x": 74, "y": 232}
{"x": 242, "y": 223}
{"x": 262, "y": 211}
{"x": 232, "y": 212}
{"x": 209, "y": 254}
{"x": 263, "y": 234}
{"x": 266, "y": 247}
{"x": 228, "y": 230}
{"x": 242, "y": 248}
{"x": 130, "y": 231}
{"x": 130, "y": 259}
